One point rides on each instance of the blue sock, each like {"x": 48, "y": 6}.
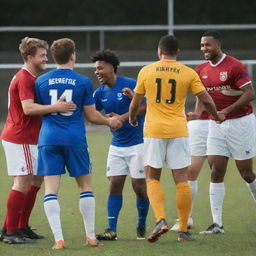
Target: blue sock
{"x": 114, "y": 206}
{"x": 142, "y": 207}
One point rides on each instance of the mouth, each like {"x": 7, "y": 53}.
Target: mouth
{"x": 100, "y": 78}
{"x": 207, "y": 55}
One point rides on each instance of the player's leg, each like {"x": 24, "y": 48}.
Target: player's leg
{"x": 178, "y": 159}
{"x": 154, "y": 158}
{"x": 19, "y": 165}
{"x": 245, "y": 168}
{"x": 52, "y": 208}
{"x": 51, "y": 165}
{"x": 243, "y": 146}
{"x": 87, "y": 208}
{"x": 31, "y": 198}
{"x": 218, "y": 152}
{"x": 134, "y": 157}
{"x": 117, "y": 170}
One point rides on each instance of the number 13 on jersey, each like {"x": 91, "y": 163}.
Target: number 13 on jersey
{"x": 172, "y": 83}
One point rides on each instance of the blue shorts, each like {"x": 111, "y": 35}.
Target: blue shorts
{"x": 54, "y": 160}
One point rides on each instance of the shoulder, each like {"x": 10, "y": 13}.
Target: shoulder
{"x": 126, "y": 80}
{"x": 42, "y": 78}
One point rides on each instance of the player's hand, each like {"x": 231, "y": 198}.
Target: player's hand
{"x": 128, "y": 92}
{"x": 133, "y": 122}
{"x": 115, "y": 123}
{"x": 221, "y": 116}
{"x": 192, "y": 116}
{"x": 64, "y": 106}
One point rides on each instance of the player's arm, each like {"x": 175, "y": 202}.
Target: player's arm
{"x": 199, "y": 109}
{"x": 94, "y": 116}
{"x": 247, "y": 96}
{"x": 209, "y": 105}
{"x": 31, "y": 108}
{"x": 134, "y": 108}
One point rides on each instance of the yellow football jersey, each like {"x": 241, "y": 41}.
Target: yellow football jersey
{"x": 166, "y": 84}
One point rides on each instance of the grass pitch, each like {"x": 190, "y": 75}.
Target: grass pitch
{"x": 239, "y": 216}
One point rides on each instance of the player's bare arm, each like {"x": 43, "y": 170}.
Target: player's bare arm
{"x": 134, "y": 108}
{"x": 247, "y": 96}
{"x": 94, "y": 116}
{"x": 209, "y": 105}
{"x": 31, "y": 108}
{"x": 199, "y": 108}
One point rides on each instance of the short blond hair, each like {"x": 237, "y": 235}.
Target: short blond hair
{"x": 29, "y": 46}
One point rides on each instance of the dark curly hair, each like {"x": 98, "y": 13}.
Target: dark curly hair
{"x": 107, "y": 56}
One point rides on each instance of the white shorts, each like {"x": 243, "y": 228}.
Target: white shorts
{"x": 126, "y": 161}
{"x": 174, "y": 152}
{"x": 234, "y": 138}
{"x": 198, "y": 133}
{"x": 21, "y": 159}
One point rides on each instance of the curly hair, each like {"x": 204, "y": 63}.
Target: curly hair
{"x": 107, "y": 56}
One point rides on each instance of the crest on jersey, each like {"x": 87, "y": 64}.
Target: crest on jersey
{"x": 223, "y": 76}
{"x": 119, "y": 96}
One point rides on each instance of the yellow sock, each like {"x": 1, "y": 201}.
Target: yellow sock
{"x": 156, "y": 198}
{"x": 184, "y": 203}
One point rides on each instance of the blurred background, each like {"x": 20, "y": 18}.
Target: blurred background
{"x": 131, "y": 28}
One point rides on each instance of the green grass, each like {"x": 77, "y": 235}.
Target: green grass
{"x": 239, "y": 216}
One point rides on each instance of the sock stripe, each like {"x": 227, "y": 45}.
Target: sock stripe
{"x": 50, "y": 197}
{"x": 86, "y": 194}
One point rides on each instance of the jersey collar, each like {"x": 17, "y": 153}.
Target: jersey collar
{"x": 222, "y": 58}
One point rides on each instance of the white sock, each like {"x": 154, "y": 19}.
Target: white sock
{"x": 217, "y": 193}
{"x": 87, "y": 209}
{"x": 252, "y": 188}
{"x": 194, "y": 188}
{"x": 52, "y": 211}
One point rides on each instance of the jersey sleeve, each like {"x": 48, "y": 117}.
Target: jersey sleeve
{"x": 196, "y": 84}
{"x": 241, "y": 76}
{"x": 88, "y": 98}
{"x": 26, "y": 88}
{"x": 96, "y": 98}
{"x": 37, "y": 93}
{"x": 140, "y": 86}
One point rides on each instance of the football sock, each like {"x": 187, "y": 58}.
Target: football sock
{"x": 28, "y": 206}
{"x": 252, "y": 188}
{"x": 15, "y": 203}
{"x": 217, "y": 193}
{"x": 194, "y": 188}
{"x": 156, "y": 198}
{"x": 87, "y": 209}
{"x": 114, "y": 206}
{"x": 52, "y": 211}
{"x": 142, "y": 208}
{"x": 184, "y": 202}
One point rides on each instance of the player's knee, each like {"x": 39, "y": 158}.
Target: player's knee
{"x": 248, "y": 176}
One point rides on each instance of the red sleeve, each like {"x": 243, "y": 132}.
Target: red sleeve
{"x": 26, "y": 88}
{"x": 241, "y": 76}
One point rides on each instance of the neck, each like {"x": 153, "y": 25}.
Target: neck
{"x": 217, "y": 58}
{"x": 32, "y": 70}
{"x": 112, "y": 81}
{"x": 167, "y": 57}
{"x": 65, "y": 66}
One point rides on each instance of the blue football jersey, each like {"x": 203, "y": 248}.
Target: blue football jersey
{"x": 67, "y": 129}
{"x": 114, "y": 100}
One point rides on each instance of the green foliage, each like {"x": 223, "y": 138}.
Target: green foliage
{"x": 238, "y": 214}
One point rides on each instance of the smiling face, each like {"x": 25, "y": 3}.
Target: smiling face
{"x": 105, "y": 73}
{"x": 211, "y": 48}
{"x": 39, "y": 60}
